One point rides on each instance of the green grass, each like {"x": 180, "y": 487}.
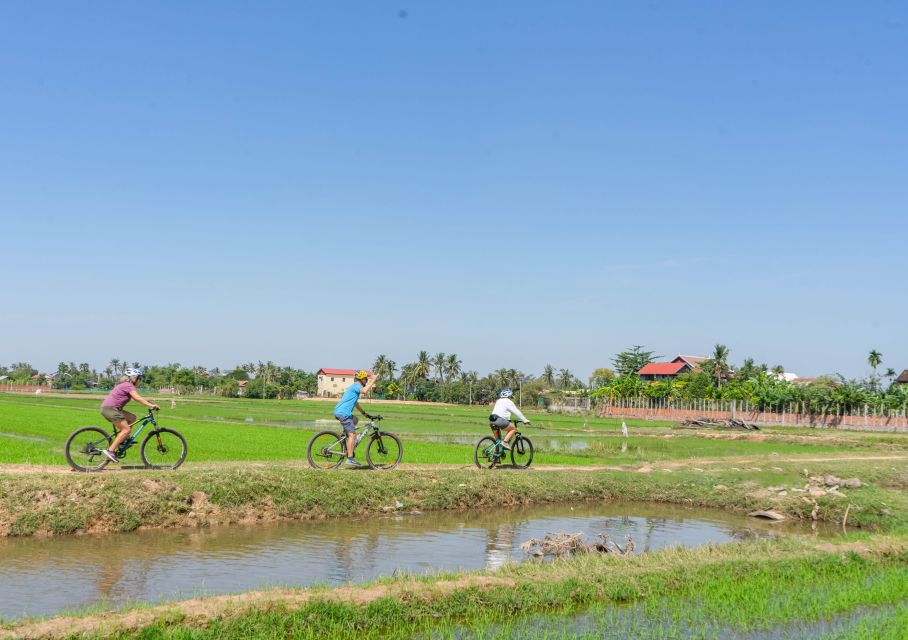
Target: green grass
{"x": 64, "y": 503}
{"x": 33, "y": 430}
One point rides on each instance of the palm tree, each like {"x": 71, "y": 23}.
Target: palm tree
{"x": 452, "y": 366}
{"x": 380, "y": 366}
{"x": 720, "y": 368}
{"x": 423, "y": 365}
{"x": 564, "y": 378}
{"x": 890, "y": 373}
{"x": 548, "y": 375}
{"x": 778, "y": 369}
{"x": 874, "y": 359}
{"x": 440, "y": 360}
{"x": 115, "y": 365}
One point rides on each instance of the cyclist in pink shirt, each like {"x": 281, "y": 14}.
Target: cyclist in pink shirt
{"x": 112, "y": 409}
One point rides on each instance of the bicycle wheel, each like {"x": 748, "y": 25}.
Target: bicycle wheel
{"x": 83, "y": 449}
{"x": 163, "y": 449}
{"x": 384, "y": 451}
{"x": 487, "y": 454}
{"x": 326, "y": 450}
{"x": 522, "y": 452}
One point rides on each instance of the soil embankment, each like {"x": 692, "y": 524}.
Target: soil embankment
{"x": 208, "y": 495}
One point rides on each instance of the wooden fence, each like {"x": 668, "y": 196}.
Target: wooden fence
{"x": 865, "y": 417}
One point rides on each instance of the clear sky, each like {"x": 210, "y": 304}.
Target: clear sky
{"x": 519, "y": 182}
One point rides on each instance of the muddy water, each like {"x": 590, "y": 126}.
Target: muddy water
{"x": 47, "y": 576}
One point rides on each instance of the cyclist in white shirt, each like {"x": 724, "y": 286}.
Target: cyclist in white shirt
{"x": 501, "y": 417}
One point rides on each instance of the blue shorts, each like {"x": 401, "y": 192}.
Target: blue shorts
{"x": 347, "y": 423}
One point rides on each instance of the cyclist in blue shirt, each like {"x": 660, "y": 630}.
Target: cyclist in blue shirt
{"x": 343, "y": 410}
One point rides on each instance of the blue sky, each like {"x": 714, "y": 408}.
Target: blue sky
{"x": 521, "y": 183}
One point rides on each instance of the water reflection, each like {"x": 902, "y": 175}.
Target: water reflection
{"x": 44, "y": 576}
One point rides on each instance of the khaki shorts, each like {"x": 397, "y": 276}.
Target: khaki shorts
{"x": 112, "y": 414}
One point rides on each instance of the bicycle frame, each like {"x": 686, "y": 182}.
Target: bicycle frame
{"x": 369, "y": 428}
{"x": 496, "y": 449}
{"x": 133, "y": 436}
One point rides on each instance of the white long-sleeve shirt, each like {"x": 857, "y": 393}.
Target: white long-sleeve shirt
{"x": 504, "y": 407}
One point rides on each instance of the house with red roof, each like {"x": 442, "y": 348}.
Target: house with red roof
{"x": 903, "y": 378}
{"x": 333, "y": 382}
{"x": 662, "y": 370}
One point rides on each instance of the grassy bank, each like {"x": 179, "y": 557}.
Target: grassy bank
{"x": 702, "y": 593}
{"x": 72, "y": 503}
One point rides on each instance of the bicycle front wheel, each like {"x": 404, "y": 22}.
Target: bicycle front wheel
{"x": 487, "y": 453}
{"x": 83, "y": 449}
{"x": 384, "y": 451}
{"x": 326, "y": 450}
{"x": 163, "y": 449}
{"x": 522, "y": 452}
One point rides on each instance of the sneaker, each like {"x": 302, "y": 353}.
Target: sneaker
{"x": 352, "y": 462}
{"x": 505, "y": 446}
{"x": 110, "y": 455}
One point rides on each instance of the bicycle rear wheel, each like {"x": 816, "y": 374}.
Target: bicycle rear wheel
{"x": 83, "y": 449}
{"x": 384, "y": 451}
{"x": 163, "y": 449}
{"x": 326, "y": 450}
{"x": 487, "y": 454}
{"x": 522, "y": 452}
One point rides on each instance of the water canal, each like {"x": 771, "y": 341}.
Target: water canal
{"x": 46, "y": 576}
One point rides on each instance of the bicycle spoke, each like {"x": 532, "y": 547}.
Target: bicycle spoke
{"x": 83, "y": 449}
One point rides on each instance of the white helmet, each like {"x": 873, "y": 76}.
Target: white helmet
{"x": 133, "y": 374}
{"x": 506, "y": 392}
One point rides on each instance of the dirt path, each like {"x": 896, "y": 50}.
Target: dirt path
{"x": 32, "y": 469}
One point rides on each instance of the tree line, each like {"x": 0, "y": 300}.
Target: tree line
{"x": 757, "y": 384}
{"x": 442, "y": 378}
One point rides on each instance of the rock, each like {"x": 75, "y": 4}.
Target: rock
{"x": 462, "y": 484}
{"x": 779, "y": 469}
{"x": 817, "y": 492}
{"x": 797, "y": 490}
{"x": 832, "y": 481}
{"x": 720, "y": 487}
{"x": 782, "y": 494}
{"x": 852, "y": 483}
{"x": 837, "y": 494}
{"x": 769, "y": 515}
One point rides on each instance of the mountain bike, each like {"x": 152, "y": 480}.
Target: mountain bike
{"x": 328, "y": 449}
{"x": 162, "y": 448}
{"x": 490, "y": 453}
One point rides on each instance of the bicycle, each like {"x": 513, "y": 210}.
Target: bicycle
{"x": 162, "y": 448}
{"x": 489, "y": 451}
{"x": 328, "y": 449}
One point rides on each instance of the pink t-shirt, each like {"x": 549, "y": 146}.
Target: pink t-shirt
{"x": 119, "y": 395}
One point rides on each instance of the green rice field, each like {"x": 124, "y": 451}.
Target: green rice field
{"x": 33, "y": 430}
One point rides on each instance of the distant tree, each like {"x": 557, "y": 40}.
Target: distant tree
{"x": 890, "y": 373}
{"x": 383, "y": 367}
{"x": 452, "y": 366}
{"x": 548, "y": 375}
{"x": 423, "y": 365}
{"x": 875, "y": 358}
{"x": 440, "y": 361}
{"x": 630, "y": 361}
{"x": 565, "y": 378}
{"x": 717, "y": 365}
{"x": 778, "y": 369}
{"x": 601, "y": 377}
